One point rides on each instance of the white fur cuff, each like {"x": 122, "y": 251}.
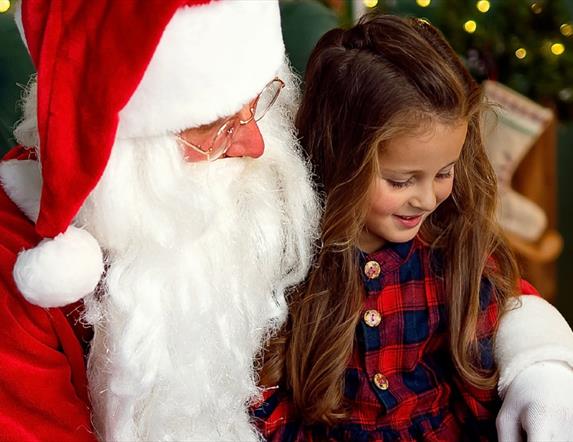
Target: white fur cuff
{"x": 530, "y": 333}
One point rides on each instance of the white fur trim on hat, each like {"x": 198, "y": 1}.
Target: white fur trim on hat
{"x": 211, "y": 60}
{"x": 60, "y": 271}
{"x": 531, "y": 333}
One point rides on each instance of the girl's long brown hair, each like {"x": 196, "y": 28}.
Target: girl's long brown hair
{"x": 385, "y": 77}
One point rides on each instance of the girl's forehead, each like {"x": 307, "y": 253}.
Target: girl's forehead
{"x": 435, "y": 143}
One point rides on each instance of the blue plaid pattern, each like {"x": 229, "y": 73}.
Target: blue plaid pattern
{"x": 425, "y": 399}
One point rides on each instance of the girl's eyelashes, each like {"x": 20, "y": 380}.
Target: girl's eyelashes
{"x": 445, "y": 175}
{"x": 410, "y": 181}
{"x": 400, "y": 184}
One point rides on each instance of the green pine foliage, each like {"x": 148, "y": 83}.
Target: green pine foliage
{"x": 508, "y": 25}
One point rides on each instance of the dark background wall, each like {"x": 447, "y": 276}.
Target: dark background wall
{"x": 15, "y": 69}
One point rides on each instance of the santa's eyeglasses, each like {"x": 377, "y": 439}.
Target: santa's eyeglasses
{"x": 222, "y": 136}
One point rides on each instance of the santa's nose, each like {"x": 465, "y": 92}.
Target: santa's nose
{"x": 247, "y": 141}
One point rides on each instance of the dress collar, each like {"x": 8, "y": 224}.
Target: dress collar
{"x": 390, "y": 256}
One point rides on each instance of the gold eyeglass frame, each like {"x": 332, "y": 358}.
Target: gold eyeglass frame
{"x": 234, "y": 122}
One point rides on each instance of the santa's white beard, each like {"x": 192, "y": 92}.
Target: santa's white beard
{"x": 199, "y": 258}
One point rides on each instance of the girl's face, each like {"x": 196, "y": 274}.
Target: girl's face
{"x": 416, "y": 175}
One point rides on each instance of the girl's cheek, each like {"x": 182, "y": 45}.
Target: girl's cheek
{"x": 444, "y": 191}
{"x": 387, "y": 202}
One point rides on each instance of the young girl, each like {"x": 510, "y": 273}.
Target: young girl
{"x": 391, "y": 335}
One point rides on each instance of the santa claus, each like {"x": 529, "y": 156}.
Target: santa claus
{"x": 149, "y": 121}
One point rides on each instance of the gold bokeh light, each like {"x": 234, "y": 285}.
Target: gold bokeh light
{"x": 566, "y": 29}
{"x": 4, "y": 5}
{"x": 537, "y": 8}
{"x": 521, "y": 53}
{"x": 470, "y": 26}
{"x": 557, "y": 48}
{"x": 483, "y": 6}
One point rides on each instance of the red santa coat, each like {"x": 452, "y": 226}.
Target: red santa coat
{"x": 43, "y": 385}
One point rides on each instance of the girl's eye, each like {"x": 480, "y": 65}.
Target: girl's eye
{"x": 399, "y": 184}
{"x": 445, "y": 175}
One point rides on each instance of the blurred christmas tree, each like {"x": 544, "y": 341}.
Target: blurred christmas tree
{"x": 525, "y": 44}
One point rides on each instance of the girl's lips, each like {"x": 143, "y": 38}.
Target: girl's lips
{"x": 408, "y": 221}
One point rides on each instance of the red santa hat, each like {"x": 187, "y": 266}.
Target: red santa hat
{"x": 111, "y": 69}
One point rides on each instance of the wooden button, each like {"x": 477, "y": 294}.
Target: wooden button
{"x": 380, "y": 381}
{"x": 372, "y": 269}
{"x": 372, "y": 318}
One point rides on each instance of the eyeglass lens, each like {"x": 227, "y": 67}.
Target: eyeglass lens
{"x": 223, "y": 138}
{"x": 264, "y": 102}
{"x": 267, "y": 98}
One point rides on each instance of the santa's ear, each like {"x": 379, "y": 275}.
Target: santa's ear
{"x": 61, "y": 270}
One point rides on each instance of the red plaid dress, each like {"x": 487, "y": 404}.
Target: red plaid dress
{"x": 400, "y": 383}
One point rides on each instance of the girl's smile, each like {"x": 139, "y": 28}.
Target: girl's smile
{"x": 408, "y": 222}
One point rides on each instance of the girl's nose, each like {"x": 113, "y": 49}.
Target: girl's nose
{"x": 425, "y": 199}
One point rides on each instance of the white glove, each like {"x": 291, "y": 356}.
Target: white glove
{"x": 538, "y": 402}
